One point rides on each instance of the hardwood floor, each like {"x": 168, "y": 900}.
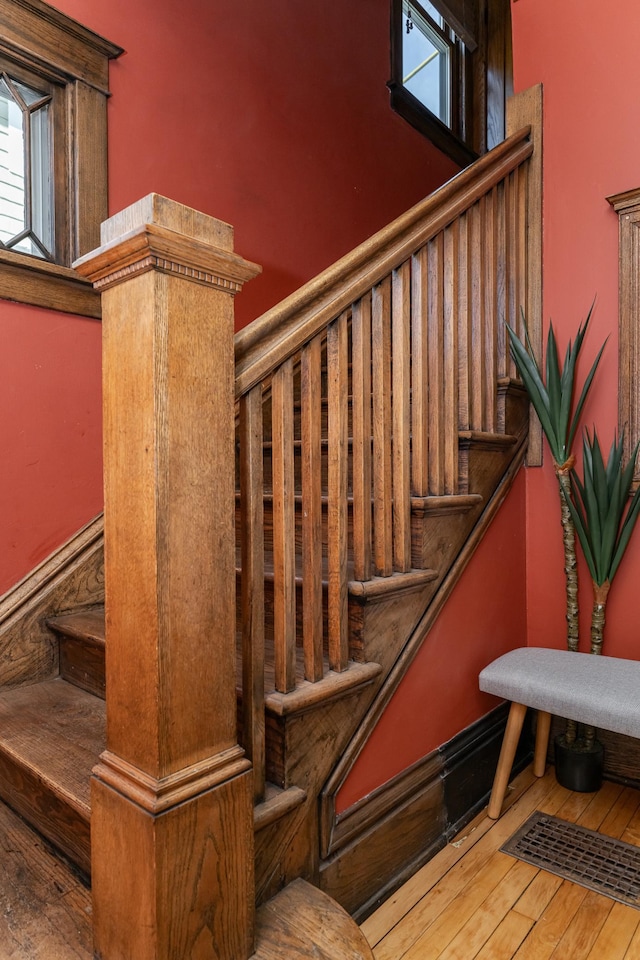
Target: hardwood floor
{"x": 472, "y": 902}
{"x": 45, "y": 911}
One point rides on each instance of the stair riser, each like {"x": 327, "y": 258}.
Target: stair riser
{"x": 82, "y": 663}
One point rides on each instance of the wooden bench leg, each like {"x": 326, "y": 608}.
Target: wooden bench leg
{"x": 542, "y": 743}
{"x": 507, "y": 753}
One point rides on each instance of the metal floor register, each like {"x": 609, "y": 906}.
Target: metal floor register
{"x": 583, "y": 856}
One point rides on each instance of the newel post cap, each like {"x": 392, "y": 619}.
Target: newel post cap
{"x": 160, "y": 234}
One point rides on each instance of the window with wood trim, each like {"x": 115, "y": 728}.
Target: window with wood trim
{"x": 451, "y": 71}
{"x": 53, "y": 154}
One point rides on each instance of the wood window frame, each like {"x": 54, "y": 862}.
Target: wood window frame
{"x": 627, "y": 206}
{"x": 40, "y": 42}
{"x": 453, "y": 140}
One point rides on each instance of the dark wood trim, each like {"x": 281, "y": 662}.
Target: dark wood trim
{"x": 627, "y": 206}
{"x": 410, "y": 109}
{"x": 40, "y": 39}
{"x": 375, "y": 845}
{"x": 469, "y": 765}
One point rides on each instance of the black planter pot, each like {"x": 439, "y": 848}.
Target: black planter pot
{"x": 577, "y": 768}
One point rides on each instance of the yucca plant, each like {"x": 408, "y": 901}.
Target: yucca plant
{"x": 553, "y": 399}
{"x": 604, "y": 518}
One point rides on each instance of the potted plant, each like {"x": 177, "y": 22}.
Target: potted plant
{"x": 604, "y": 517}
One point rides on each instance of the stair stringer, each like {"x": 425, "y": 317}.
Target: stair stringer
{"x": 371, "y": 877}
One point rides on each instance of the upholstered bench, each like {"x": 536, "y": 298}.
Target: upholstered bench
{"x": 599, "y": 691}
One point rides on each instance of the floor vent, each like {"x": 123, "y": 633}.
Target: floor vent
{"x": 590, "y": 859}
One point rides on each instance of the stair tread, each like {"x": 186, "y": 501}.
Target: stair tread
{"x": 87, "y": 623}
{"x": 57, "y": 731}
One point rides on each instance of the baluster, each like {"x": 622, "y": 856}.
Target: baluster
{"x": 338, "y": 399}
{"x": 419, "y": 376}
{"x": 284, "y": 572}
{"x": 400, "y": 325}
{"x": 513, "y": 262}
{"x": 252, "y": 593}
{"x": 502, "y": 275}
{"x": 382, "y": 483}
{"x": 450, "y": 346}
{"x": 465, "y": 385}
{"x": 311, "y": 441}
{"x": 361, "y": 418}
{"x": 435, "y": 322}
{"x": 490, "y": 302}
{"x": 521, "y": 249}
{"x": 479, "y": 387}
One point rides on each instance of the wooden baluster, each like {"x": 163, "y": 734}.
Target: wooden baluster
{"x": 338, "y": 399}
{"x": 252, "y": 591}
{"x": 477, "y": 371}
{"x": 419, "y": 376}
{"x": 382, "y": 481}
{"x": 172, "y": 795}
{"x": 435, "y": 323}
{"x": 361, "y": 418}
{"x": 284, "y": 529}
{"x": 521, "y": 250}
{"x": 450, "y": 346}
{"x": 464, "y": 310}
{"x": 401, "y": 369}
{"x": 311, "y": 441}
{"x": 490, "y": 301}
{"x": 513, "y": 261}
{"x": 502, "y": 275}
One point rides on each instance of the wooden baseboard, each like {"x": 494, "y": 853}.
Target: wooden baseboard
{"x": 375, "y": 845}
{"x": 71, "y": 577}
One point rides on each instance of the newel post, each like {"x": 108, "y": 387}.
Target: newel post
{"x": 172, "y": 827}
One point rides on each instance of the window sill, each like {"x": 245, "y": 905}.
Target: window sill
{"x": 411, "y": 110}
{"x": 29, "y": 280}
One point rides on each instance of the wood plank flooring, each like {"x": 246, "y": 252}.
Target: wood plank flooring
{"x": 472, "y": 902}
{"x": 45, "y": 911}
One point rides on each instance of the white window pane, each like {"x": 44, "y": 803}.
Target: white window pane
{"x": 12, "y": 208}
{"x": 41, "y": 179}
{"x": 426, "y": 66}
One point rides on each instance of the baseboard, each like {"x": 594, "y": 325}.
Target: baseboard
{"x": 71, "y": 577}
{"x": 379, "y": 842}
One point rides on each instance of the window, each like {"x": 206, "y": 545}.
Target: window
{"x": 53, "y": 177}
{"x": 447, "y": 79}
{"x": 26, "y": 174}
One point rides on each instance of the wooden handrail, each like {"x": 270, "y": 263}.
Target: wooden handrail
{"x": 281, "y": 331}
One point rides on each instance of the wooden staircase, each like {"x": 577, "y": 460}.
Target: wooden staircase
{"x": 357, "y": 487}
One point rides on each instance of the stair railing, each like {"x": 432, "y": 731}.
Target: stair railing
{"x": 353, "y": 393}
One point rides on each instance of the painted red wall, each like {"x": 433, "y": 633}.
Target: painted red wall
{"x": 588, "y": 66}
{"x": 272, "y": 116}
{"x": 439, "y": 696}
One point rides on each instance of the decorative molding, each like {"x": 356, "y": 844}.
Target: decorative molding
{"x": 627, "y": 206}
{"x": 158, "y": 795}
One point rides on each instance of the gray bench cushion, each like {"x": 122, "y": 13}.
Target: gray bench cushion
{"x": 600, "y": 691}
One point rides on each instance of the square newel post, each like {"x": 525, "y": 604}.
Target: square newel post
{"x": 172, "y": 814}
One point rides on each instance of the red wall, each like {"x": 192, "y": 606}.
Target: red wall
{"x": 274, "y": 117}
{"x": 588, "y": 66}
{"x": 439, "y": 696}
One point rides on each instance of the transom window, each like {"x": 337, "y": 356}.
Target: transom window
{"x": 26, "y": 180}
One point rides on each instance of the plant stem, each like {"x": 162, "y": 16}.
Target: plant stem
{"x": 600, "y": 592}
{"x": 570, "y": 572}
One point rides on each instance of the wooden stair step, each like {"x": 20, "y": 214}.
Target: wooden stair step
{"x": 302, "y": 921}
{"x": 81, "y": 638}
{"x": 51, "y": 735}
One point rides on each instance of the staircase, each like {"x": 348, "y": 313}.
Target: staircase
{"x": 357, "y": 486}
